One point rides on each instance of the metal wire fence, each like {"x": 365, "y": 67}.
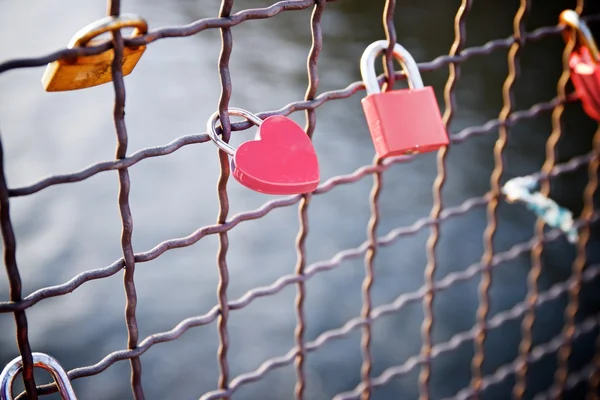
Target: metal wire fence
{"x": 219, "y": 314}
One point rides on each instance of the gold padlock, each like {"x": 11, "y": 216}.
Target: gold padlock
{"x": 87, "y": 71}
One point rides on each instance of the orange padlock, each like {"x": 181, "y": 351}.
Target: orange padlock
{"x": 88, "y": 71}
{"x": 401, "y": 122}
{"x": 583, "y": 63}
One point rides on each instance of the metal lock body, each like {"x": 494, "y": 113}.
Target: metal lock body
{"x": 280, "y": 160}
{"x": 583, "y": 62}
{"x": 88, "y": 71}
{"x": 401, "y": 122}
{"x": 40, "y": 360}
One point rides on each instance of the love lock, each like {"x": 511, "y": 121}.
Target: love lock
{"x": 583, "y": 63}
{"x": 281, "y": 159}
{"x": 88, "y": 71}
{"x": 406, "y": 121}
{"x": 41, "y": 360}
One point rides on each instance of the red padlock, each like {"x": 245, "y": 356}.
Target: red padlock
{"x": 280, "y": 160}
{"x": 583, "y": 62}
{"x": 406, "y": 121}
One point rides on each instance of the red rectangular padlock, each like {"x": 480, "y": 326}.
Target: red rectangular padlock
{"x": 585, "y": 75}
{"x": 401, "y": 122}
{"x": 583, "y": 63}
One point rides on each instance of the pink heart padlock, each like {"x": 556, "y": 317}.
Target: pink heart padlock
{"x": 281, "y": 160}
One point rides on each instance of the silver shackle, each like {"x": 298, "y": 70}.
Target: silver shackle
{"x": 211, "y": 127}
{"x": 367, "y": 66}
{"x": 40, "y": 360}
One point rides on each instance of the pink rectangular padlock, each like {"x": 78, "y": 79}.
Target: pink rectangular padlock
{"x": 583, "y": 63}
{"x": 401, "y": 122}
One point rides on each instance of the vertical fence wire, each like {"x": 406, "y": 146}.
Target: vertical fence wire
{"x": 584, "y": 236}
{"x": 14, "y": 282}
{"x": 369, "y": 258}
{"x": 114, "y": 9}
{"x": 564, "y": 352}
{"x": 594, "y": 375}
{"x": 545, "y": 188}
{"x": 496, "y": 176}
{"x": 226, "y": 48}
{"x": 368, "y": 282}
{"x": 311, "y": 121}
{"x": 300, "y": 297}
{"x": 429, "y": 274}
{"x": 389, "y": 29}
{"x": 526, "y": 343}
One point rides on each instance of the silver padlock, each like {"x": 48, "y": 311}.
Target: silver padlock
{"x": 40, "y": 360}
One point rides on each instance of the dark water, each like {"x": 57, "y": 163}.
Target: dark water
{"x": 67, "y": 229}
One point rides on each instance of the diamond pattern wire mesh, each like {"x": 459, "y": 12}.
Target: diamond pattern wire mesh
{"x": 227, "y": 384}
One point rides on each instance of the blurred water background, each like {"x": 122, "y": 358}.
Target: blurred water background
{"x": 67, "y": 229}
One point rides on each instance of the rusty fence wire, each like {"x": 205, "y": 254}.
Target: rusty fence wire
{"x": 225, "y": 387}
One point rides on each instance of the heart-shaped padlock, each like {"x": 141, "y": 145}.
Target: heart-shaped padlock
{"x": 281, "y": 160}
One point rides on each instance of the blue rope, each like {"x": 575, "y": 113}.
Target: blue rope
{"x": 523, "y": 189}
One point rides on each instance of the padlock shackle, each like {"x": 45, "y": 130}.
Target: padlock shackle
{"x": 211, "y": 127}
{"x": 108, "y": 24}
{"x": 367, "y": 66}
{"x": 573, "y": 21}
{"x": 40, "y": 360}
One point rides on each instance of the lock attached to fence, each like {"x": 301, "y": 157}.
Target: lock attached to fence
{"x": 40, "y": 360}
{"x": 583, "y": 62}
{"x": 401, "y": 122}
{"x": 87, "y": 71}
{"x": 281, "y": 160}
